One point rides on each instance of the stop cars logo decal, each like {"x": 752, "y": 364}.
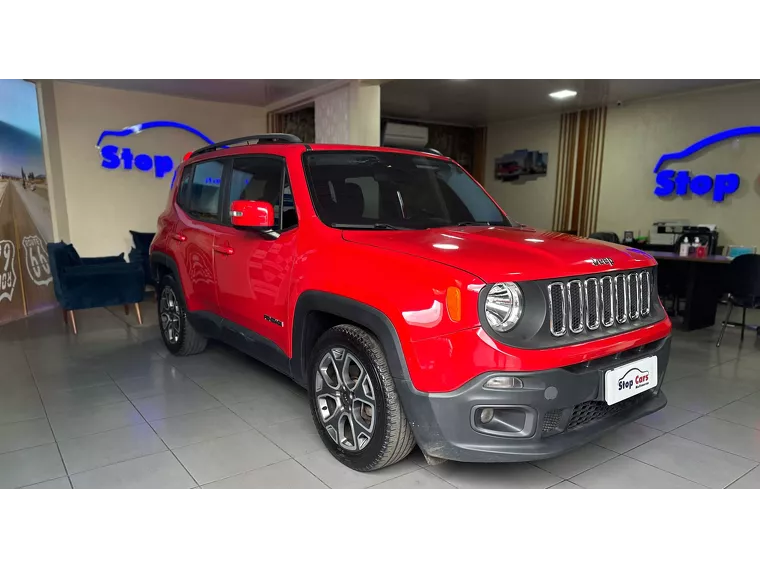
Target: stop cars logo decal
{"x": 37, "y": 262}
{"x": 8, "y": 278}
{"x": 634, "y": 379}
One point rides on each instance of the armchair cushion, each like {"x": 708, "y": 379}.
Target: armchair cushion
{"x": 101, "y": 286}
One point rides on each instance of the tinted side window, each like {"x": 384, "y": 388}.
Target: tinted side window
{"x": 206, "y": 190}
{"x": 262, "y": 178}
{"x": 184, "y": 186}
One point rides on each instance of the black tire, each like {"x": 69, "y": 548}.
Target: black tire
{"x": 189, "y": 341}
{"x": 392, "y": 439}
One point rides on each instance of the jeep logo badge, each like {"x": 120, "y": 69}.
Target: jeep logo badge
{"x": 602, "y": 261}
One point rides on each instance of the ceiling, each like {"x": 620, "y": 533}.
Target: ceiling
{"x": 469, "y": 98}
{"x": 254, "y": 92}
{"x": 480, "y": 101}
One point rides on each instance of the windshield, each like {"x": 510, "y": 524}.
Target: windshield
{"x": 385, "y": 190}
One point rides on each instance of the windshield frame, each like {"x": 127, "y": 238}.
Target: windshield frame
{"x": 506, "y": 221}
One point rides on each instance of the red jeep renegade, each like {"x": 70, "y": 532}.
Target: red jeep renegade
{"x": 392, "y": 287}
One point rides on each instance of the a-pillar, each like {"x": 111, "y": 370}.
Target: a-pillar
{"x": 349, "y": 115}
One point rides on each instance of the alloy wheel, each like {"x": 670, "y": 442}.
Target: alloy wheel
{"x": 345, "y": 399}
{"x": 170, "y": 315}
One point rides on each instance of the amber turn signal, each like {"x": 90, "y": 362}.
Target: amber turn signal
{"x": 454, "y": 303}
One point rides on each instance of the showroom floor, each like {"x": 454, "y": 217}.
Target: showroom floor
{"x": 111, "y": 408}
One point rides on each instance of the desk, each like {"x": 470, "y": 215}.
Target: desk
{"x": 704, "y": 285}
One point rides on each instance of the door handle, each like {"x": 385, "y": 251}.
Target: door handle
{"x": 224, "y": 249}
{"x": 179, "y": 237}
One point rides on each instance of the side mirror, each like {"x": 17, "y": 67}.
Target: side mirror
{"x": 253, "y": 214}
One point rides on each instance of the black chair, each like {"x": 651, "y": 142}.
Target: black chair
{"x": 743, "y": 286}
{"x": 608, "y": 237}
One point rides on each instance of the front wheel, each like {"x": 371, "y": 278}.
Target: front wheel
{"x": 354, "y": 402}
{"x": 179, "y": 335}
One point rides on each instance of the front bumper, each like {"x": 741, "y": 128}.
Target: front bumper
{"x": 563, "y": 408}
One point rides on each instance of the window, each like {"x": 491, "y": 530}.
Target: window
{"x": 367, "y": 189}
{"x": 205, "y": 191}
{"x": 260, "y": 178}
{"x": 184, "y": 185}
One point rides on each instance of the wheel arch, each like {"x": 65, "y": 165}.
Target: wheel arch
{"x": 317, "y": 311}
{"x": 162, "y": 264}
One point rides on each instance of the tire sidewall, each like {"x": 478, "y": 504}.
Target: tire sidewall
{"x": 173, "y": 348}
{"x": 364, "y": 458}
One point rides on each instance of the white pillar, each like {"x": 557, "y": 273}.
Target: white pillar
{"x": 349, "y": 115}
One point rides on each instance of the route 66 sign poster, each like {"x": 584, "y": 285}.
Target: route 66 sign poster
{"x": 26, "y": 281}
{"x": 37, "y": 262}
{"x": 8, "y": 278}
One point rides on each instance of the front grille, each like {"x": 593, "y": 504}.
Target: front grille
{"x": 594, "y": 410}
{"x": 585, "y": 413}
{"x": 586, "y": 304}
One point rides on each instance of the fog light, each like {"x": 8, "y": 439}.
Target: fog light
{"x": 503, "y": 383}
{"x": 486, "y": 415}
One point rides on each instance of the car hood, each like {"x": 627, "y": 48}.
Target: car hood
{"x": 497, "y": 254}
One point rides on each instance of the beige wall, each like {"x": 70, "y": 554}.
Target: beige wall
{"x": 348, "y": 115}
{"x": 526, "y": 201}
{"x": 102, "y": 205}
{"x": 638, "y": 134}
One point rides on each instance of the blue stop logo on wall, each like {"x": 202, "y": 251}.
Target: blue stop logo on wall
{"x": 682, "y": 182}
{"x": 115, "y": 157}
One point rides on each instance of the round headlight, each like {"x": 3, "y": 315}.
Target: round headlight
{"x": 504, "y": 306}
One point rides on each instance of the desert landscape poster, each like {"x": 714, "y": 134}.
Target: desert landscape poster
{"x": 26, "y": 283}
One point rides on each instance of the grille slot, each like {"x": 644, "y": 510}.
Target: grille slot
{"x": 557, "y": 308}
{"x": 634, "y": 292}
{"x": 645, "y": 286}
{"x": 608, "y": 302}
{"x": 586, "y": 304}
{"x": 575, "y": 306}
{"x": 592, "y": 303}
{"x": 621, "y": 299}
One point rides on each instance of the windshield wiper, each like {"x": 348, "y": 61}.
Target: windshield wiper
{"x": 481, "y": 224}
{"x": 369, "y": 226}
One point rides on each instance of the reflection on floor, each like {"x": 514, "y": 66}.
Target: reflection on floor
{"x": 111, "y": 408}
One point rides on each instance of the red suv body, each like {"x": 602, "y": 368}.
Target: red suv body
{"x": 390, "y": 285}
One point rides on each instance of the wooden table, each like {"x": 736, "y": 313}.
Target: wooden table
{"x": 704, "y": 285}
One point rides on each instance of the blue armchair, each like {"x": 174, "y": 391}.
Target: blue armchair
{"x": 140, "y": 253}
{"x": 82, "y": 283}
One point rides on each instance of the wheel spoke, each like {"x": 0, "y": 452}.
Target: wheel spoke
{"x": 347, "y": 432}
{"x": 328, "y": 373}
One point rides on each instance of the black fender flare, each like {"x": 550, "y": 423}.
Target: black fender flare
{"x": 360, "y": 313}
{"x": 162, "y": 259}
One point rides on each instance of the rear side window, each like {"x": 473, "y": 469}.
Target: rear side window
{"x": 184, "y": 186}
{"x": 205, "y": 193}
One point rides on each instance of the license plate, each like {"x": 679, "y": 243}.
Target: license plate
{"x": 629, "y": 380}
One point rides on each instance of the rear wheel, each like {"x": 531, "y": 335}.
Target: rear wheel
{"x": 179, "y": 335}
{"x": 354, "y": 402}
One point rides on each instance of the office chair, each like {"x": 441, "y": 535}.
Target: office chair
{"x": 608, "y": 237}
{"x": 743, "y": 285}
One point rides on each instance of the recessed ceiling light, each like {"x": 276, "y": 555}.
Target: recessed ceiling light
{"x": 460, "y": 76}
{"x": 564, "y": 94}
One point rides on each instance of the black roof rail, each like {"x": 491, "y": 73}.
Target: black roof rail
{"x": 432, "y": 151}
{"x": 259, "y": 138}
